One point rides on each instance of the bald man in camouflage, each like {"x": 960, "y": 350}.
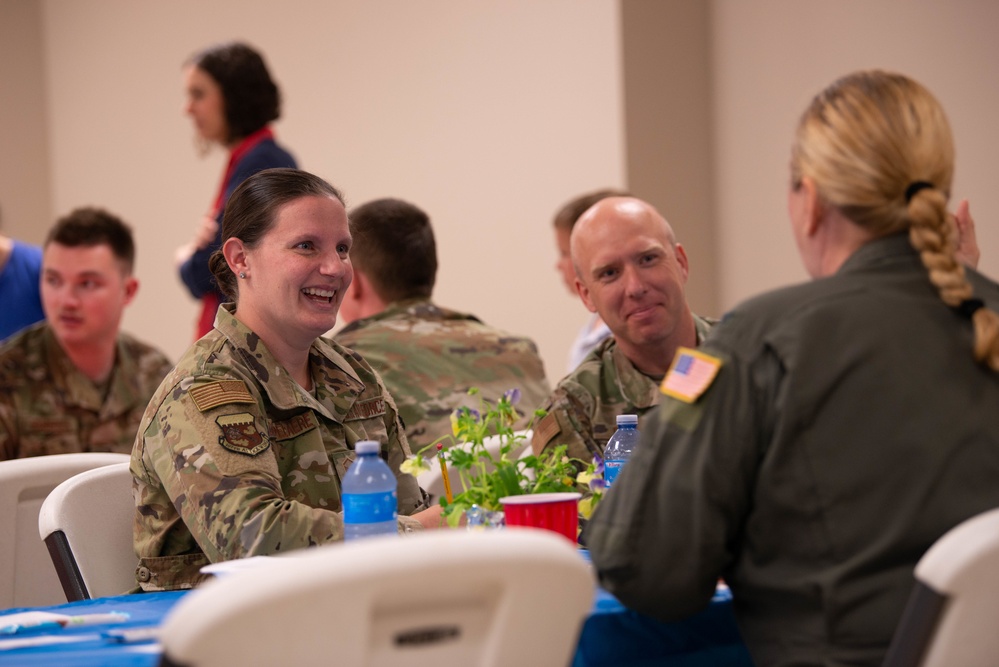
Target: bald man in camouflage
{"x": 631, "y": 271}
{"x": 428, "y": 356}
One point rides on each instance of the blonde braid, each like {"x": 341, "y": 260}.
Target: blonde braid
{"x": 932, "y": 235}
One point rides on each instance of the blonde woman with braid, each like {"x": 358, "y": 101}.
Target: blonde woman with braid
{"x": 825, "y": 434}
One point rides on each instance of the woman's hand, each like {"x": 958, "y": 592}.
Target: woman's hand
{"x": 205, "y": 233}
{"x": 433, "y": 518}
{"x": 967, "y": 243}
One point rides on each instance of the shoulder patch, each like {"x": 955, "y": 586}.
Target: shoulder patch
{"x": 546, "y": 430}
{"x": 372, "y": 407}
{"x": 241, "y": 435}
{"x": 690, "y": 374}
{"x": 223, "y": 392}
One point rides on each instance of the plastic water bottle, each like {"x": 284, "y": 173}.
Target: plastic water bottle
{"x": 620, "y": 447}
{"x": 369, "y": 495}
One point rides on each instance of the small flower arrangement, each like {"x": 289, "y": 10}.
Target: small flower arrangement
{"x": 593, "y": 478}
{"x": 486, "y": 477}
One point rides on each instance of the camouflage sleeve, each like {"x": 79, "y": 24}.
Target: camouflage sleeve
{"x": 568, "y": 422}
{"x": 231, "y": 501}
{"x": 411, "y": 497}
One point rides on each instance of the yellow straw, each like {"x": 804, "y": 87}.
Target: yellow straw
{"x": 447, "y": 480}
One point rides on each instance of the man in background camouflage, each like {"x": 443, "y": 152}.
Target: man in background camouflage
{"x": 73, "y": 383}
{"x": 631, "y": 271}
{"x": 428, "y": 356}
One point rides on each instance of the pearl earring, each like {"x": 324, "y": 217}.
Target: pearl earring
{"x": 242, "y": 275}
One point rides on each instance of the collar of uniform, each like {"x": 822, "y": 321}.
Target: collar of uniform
{"x": 79, "y": 390}
{"x": 895, "y": 247}
{"x": 421, "y": 309}
{"x": 125, "y": 385}
{"x": 638, "y": 389}
{"x": 337, "y": 385}
{"x": 702, "y": 326}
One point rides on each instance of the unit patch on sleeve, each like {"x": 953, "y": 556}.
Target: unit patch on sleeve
{"x": 241, "y": 435}
{"x": 690, "y": 375}
{"x": 223, "y": 392}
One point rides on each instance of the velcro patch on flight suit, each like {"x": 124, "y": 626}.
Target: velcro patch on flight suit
{"x": 546, "y": 429}
{"x": 223, "y": 392}
{"x": 241, "y": 435}
{"x": 373, "y": 407}
{"x": 690, "y": 374}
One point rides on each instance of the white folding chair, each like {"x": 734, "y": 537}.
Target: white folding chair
{"x": 27, "y": 578}
{"x": 86, "y": 523}
{"x": 506, "y": 597}
{"x": 432, "y": 481}
{"x": 950, "y": 618}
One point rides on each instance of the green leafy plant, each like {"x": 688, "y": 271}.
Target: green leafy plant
{"x": 486, "y": 476}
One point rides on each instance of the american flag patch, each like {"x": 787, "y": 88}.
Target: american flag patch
{"x": 691, "y": 373}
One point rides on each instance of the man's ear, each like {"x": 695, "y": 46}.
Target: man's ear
{"x": 131, "y": 289}
{"x": 584, "y": 294}
{"x": 681, "y": 259}
{"x": 359, "y": 286}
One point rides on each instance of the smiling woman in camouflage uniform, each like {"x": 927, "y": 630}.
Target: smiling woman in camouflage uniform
{"x": 243, "y": 447}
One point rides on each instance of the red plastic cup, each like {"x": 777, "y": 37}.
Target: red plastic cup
{"x": 557, "y": 512}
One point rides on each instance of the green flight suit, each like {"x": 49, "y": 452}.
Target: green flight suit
{"x": 847, "y": 429}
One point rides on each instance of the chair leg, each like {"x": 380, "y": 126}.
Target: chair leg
{"x": 916, "y": 627}
{"x": 66, "y": 567}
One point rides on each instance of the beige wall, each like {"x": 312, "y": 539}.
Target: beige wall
{"x": 25, "y": 202}
{"x": 488, "y": 115}
{"x": 669, "y": 136}
{"x": 771, "y": 56}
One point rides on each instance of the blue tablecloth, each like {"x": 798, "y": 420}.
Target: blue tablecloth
{"x": 611, "y": 635}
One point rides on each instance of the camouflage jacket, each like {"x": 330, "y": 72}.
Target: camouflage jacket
{"x": 235, "y": 459}
{"x": 583, "y": 409}
{"x": 47, "y": 406}
{"x": 429, "y": 358}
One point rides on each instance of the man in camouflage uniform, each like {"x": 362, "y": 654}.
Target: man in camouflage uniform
{"x": 631, "y": 271}
{"x": 73, "y": 383}
{"x": 235, "y": 459}
{"x": 428, "y": 356}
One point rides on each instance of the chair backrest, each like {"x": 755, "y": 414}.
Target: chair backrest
{"x": 86, "y": 523}
{"x": 432, "y": 481}
{"x": 27, "y": 578}
{"x": 505, "y": 597}
{"x": 950, "y": 618}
